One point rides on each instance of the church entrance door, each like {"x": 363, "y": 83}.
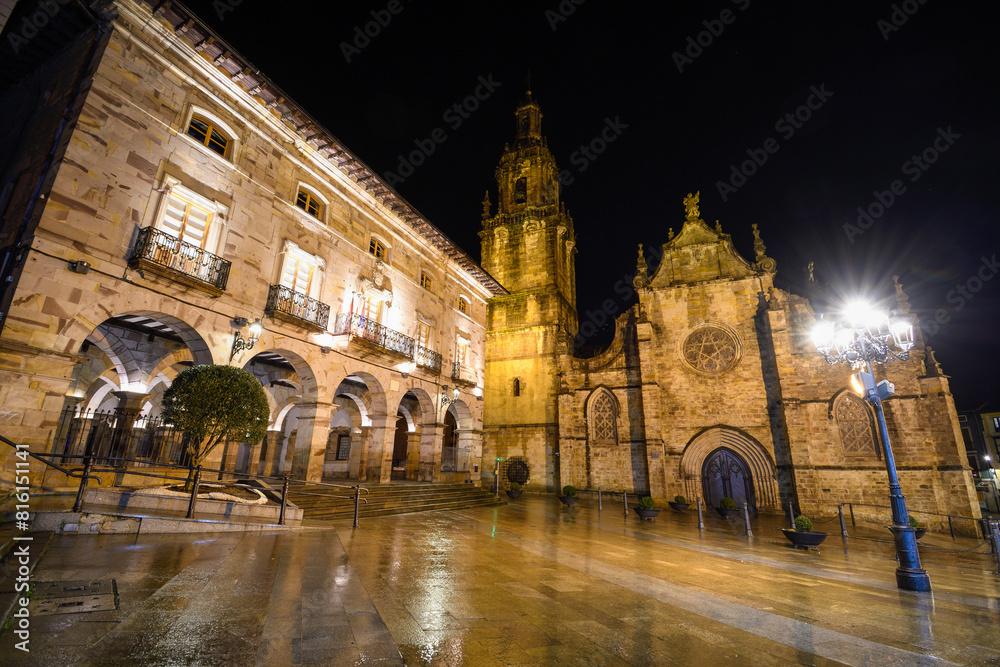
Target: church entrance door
{"x": 726, "y": 475}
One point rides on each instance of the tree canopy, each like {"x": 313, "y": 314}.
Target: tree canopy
{"x": 210, "y": 403}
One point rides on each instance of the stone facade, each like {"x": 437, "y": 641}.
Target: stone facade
{"x": 187, "y": 191}
{"x": 711, "y": 386}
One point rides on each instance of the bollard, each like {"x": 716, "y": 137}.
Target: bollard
{"x": 843, "y": 527}
{"x": 791, "y": 517}
{"x": 357, "y": 503}
{"x": 78, "y": 505}
{"x": 701, "y": 521}
{"x": 951, "y": 527}
{"x": 194, "y": 492}
{"x": 851, "y": 507}
{"x": 746, "y": 520}
{"x": 284, "y": 502}
{"x": 996, "y": 543}
{"x": 625, "y": 502}
{"x": 600, "y": 506}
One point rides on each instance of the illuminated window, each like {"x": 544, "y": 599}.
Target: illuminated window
{"x": 297, "y": 274}
{"x": 370, "y": 309}
{"x": 463, "y": 305}
{"x": 185, "y": 219}
{"x": 309, "y": 203}
{"x": 376, "y": 248}
{"x": 207, "y": 133}
{"x": 425, "y": 281}
{"x": 423, "y": 334}
{"x": 461, "y": 351}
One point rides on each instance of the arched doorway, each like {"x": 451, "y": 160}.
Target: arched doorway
{"x": 726, "y": 475}
{"x": 449, "y": 446}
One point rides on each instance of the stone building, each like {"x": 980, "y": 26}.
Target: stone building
{"x": 711, "y": 387}
{"x": 160, "y": 196}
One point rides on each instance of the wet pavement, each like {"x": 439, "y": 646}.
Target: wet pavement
{"x": 531, "y": 583}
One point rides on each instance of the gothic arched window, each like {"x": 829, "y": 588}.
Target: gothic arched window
{"x": 603, "y": 418}
{"x": 857, "y": 433}
{"x": 521, "y": 190}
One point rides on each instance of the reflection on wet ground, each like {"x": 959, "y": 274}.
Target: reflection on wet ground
{"x": 526, "y": 584}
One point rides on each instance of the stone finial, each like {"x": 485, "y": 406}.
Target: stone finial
{"x": 758, "y": 246}
{"x": 670, "y": 234}
{"x": 810, "y": 272}
{"x": 932, "y": 365}
{"x": 641, "y": 276}
{"x": 903, "y": 301}
{"x": 718, "y": 227}
{"x": 691, "y": 205}
{"x": 486, "y": 206}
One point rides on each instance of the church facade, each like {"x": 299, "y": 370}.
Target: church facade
{"x": 711, "y": 387}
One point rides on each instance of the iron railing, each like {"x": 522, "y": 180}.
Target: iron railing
{"x": 117, "y": 434}
{"x": 428, "y": 359}
{"x": 371, "y": 331}
{"x": 157, "y": 247}
{"x": 283, "y": 299}
{"x": 464, "y": 373}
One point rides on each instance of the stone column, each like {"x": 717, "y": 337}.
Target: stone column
{"x": 379, "y": 470}
{"x": 359, "y": 453}
{"x": 129, "y": 405}
{"x": 271, "y": 447}
{"x": 429, "y": 466}
{"x": 310, "y": 445}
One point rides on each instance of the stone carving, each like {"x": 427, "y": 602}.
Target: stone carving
{"x": 641, "y": 276}
{"x": 486, "y": 206}
{"x": 902, "y": 301}
{"x": 932, "y": 366}
{"x": 855, "y": 424}
{"x": 691, "y": 205}
{"x": 711, "y": 350}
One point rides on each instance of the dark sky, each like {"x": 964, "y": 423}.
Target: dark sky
{"x": 889, "y": 91}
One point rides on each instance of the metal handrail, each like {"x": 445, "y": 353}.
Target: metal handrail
{"x": 951, "y": 526}
{"x": 38, "y": 457}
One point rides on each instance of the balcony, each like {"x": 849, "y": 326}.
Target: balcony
{"x": 428, "y": 359}
{"x": 295, "y": 307}
{"x": 160, "y": 253}
{"x": 464, "y": 374}
{"x": 374, "y": 334}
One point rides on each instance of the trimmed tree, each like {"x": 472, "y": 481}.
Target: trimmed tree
{"x": 211, "y": 403}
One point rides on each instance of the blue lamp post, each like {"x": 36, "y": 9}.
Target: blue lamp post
{"x": 868, "y": 337}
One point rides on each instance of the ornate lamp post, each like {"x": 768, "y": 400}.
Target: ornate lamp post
{"x": 868, "y": 337}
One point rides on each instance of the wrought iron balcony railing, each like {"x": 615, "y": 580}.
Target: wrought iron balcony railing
{"x": 428, "y": 359}
{"x": 159, "y": 249}
{"x": 281, "y": 299}
{"x": 464, "y": 374}
{"x": 371, "y": 331}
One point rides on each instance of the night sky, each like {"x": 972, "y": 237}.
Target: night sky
{"x": 886, "y": 83}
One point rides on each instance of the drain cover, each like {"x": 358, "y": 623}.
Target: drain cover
{"x": 74, "y": 597}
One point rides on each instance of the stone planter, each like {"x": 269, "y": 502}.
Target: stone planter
{"x": 646, "y": 514}
{"x": 568, "y": 500}
{"x": 804, "y": 540}
{"x": 679, "y": 507}
{"x": 513, "y": 494}
{"x": 726, "y": 513}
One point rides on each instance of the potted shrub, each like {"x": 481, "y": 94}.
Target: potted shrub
{"x": 679, "y": 503}
{"x": 727, "y": 508}
{"x": 803, "y": 535}
{"x": 645, "y": 508}
{"x": 919, "y": 530}
{"x": 568, "y": 496}
{"x": 514, "y": 491}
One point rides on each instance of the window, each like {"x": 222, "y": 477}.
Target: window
{"x": 996, "y": 423}
{"x": 423, "y": 334}
{"x": 186, "y": 219}
{"x": 854, "y": 421}
{"x": 521, "y": 190}
{"x": 297, "y": 274}
{"x": 309, "y": 203}
{"x": 517, "y": 386}
{"x": 463, "y": 305}
{"x": 461, "y": 351}
{"x": 425, "y": 281}
{"x": 343, "y": 446}
{"x": 377, "y": 248}
{"x": 603, "y": 418}
{"x": 370, "y": 309}
{"x": 207, "y": 132}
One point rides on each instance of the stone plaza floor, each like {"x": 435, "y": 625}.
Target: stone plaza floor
{"x": 530, "y": 583}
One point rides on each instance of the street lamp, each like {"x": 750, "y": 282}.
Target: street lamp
{"x": 254, "y": 331}
{"x": 868, "y": 337}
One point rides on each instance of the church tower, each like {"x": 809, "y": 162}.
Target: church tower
{"x": 528, "y": 245}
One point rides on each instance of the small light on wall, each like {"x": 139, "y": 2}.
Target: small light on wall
{"x": 256, "y": 328}
{"x": 478, "y": 393}
{"x": 406, "y": 368}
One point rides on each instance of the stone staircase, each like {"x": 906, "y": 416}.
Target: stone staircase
{"x": 321, "y": 503}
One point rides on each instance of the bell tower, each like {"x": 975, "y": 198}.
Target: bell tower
{"x": 528, "y": 245}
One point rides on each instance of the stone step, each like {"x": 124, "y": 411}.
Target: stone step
{"x": 389, "y": 499}
{"x": 333, "y": 514}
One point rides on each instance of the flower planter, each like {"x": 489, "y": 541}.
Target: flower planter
{"x": 679, "y": 507}
{"x": 726, "y": 513}
{"x": 568, "y": 500}
{"x": 804, "y": 540}
{"x": 512, "y": 494}
{"x": 919, "y": 532}
{"x": 646, "y": 514}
